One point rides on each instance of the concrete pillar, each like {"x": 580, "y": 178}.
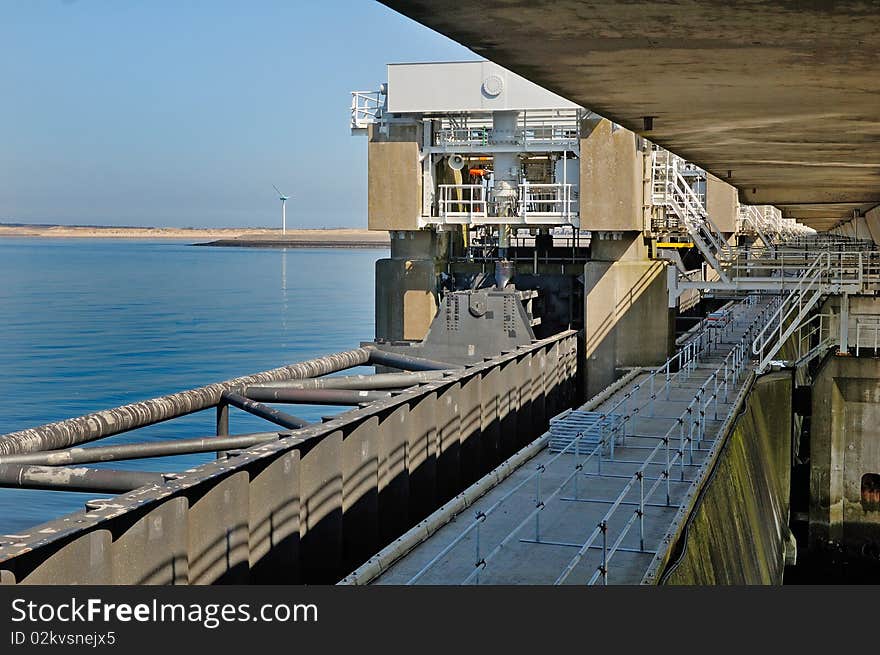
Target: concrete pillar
{"x": 845, "y": 459}
{"x": 627, "y": 319}
{"x": 406, "y": 284}
{"x": 722, "y": 205}
{"x": 844, "y": 515}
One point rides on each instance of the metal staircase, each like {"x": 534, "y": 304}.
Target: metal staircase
{"x": 793, "y": 311}
{"x": 683, "y": 209}
{"x": 849, "y": 270}
{"x": 753, "y": 219}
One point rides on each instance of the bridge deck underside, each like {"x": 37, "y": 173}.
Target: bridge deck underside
{"x": 777, "y": 98}
{"x": 541, "y": 550}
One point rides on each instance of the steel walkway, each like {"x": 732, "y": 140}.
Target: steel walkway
{"x": 594, "y": 513}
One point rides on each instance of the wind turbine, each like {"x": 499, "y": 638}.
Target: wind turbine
{"x": 283, "y": 200}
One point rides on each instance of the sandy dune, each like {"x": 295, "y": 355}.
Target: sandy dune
{"x": 341, "y": 235}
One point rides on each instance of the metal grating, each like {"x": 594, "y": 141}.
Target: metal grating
{"x": 592, "y": 425}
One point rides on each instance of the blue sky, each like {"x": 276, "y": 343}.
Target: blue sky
{"x": 185, "y": 112}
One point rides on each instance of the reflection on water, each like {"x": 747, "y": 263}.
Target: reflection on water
{"x": 91, "y": 324}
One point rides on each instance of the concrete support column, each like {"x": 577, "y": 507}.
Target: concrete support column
{"x": 406, "y": 284}
{"x": 845, "y": 459}
{"x": 628, "y": 321}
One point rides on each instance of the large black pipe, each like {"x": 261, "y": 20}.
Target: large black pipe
{"x": 263, "y": 411}
{"x": 50, "y": 478}
{"x": 315, "y": 396}
{"x": 408, "y": 362}
{"x": 74, "y": 431}
{"x": 358, "y": 382}
{"x": 142, "y": 450}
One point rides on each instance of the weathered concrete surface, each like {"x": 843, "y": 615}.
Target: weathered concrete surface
{"x": 844, "y": 446}
{"x": 722, "y": 204}
{"x": 611, "y": 192}
{"x": 627, "y": 320}
{"x": 777, "y": 98}
{"x": 395, "y": 188}
{"x": 738, "y": 531}
{"x": 862, "y": 227}
{"x": 406, "y": 285}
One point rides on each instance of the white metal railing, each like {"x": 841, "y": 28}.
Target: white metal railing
{"x": 766, "y": 222}
{"x": 752, "y": 220}
{"x": 792, "y": 311}
{"x": 828, "y": 272}
{"x": 867, "y": 333}
{"x": 535, "y": 128}
{"x": 819, "y": 333}
{"x": 814, "y": 337}
{"x": 683, "y": 207}
{"x": 541, "y": 201}
{"x": 462, "y": 203}
{"x": 536, "y": 204}
{"x": 803, "y": 270}
{"x": 366, "y": 108}
{"x": 462, "y": 137}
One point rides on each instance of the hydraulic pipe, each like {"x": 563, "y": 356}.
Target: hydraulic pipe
{"x": 74, "y": 431}
{"x": 142, "y": 450}
{"x": 50, "y": 478}
{"x": 275, "y": 416}
{"x": 408, "y": 362}
{"x": 358, "y": 382}
{"x": 315, "y": 396}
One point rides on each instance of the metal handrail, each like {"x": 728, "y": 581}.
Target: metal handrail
{"x": 470, "y": 196}
{"x": 867, "y": 322}
{"x": 552, "y": 127}
{"x": 685, "y": 360}
{"x": 792, "y": 310}
{"x": 673, "y": 192}
{"x": 829, "y": 272}
{"x": 366, "y": 107}
{"x": 816, "y": 328}
{"x": 737, "y": 356}
{"x": 546, "y": 200}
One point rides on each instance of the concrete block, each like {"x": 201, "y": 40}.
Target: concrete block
{"x": 610, "y": 177}
{"x": 395, "y": 185}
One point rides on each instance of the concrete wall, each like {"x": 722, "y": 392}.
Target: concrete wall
{"x": 861, "y": 307}
{"x": 844, "y": 446}
{"x": 406, "y": 285}
{"x": 722, "y": 204}
{"x": 737, "y": 531}
{"x": 610, "y": 177}
{"x": 406, "y": 301}
{"x": 627, "y": 320}
{"x": 394, "y": 181}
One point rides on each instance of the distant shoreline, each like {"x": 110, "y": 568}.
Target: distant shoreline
{"x": 241, "y": 237}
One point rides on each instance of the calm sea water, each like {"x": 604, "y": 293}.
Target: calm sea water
{"x": 88, "y": 325}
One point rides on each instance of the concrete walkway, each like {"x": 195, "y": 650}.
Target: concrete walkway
{"x": 548, "y": 526}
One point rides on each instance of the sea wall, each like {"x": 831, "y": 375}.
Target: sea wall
{"x": 737, "y": 529}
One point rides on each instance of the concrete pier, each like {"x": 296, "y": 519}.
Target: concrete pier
{"x": 844, "y": 510}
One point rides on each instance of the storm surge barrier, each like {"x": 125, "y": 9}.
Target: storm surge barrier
{"x": 299, "y": 503}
